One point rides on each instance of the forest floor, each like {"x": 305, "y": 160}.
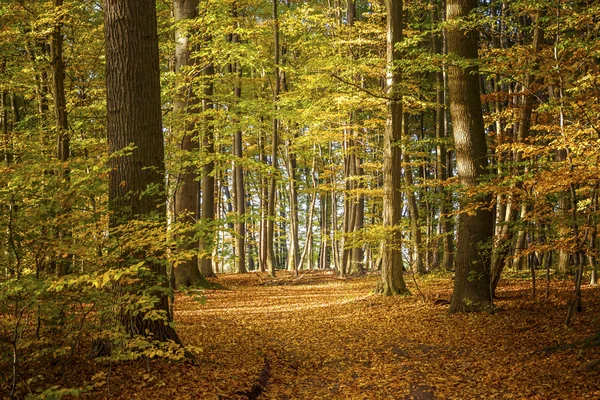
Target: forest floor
{"x": 319, "y": 337}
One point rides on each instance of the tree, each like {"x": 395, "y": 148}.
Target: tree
{"x": 475, "y": 228}
{"x": 187, "y": 272}
{"x": 391, "y": 268}
{"x": 136, "y": 180}
{"x": 270, "y": 234}
{"x": 60, "y": 114}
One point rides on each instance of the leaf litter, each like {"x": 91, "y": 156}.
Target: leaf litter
{"x": 284, "y": 338}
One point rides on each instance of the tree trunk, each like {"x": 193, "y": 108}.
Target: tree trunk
{"x": 134, "y": 116}
{"x": 475, "y": 225}
{"x": 392, "y": 280}
{"x": 208, "y": 183}
{"x": 270, "y": 256}
{"x": 61, "y": 123}
{"x": 264, "y": 208}
{"x": 413, "y": 208}
{"x": 442, "y": 156}
{"x": 325, "y": 218}
{"x": 187, "y": 272}
{"x": 294, "y": 253}
{"x": 6, "y": 131}
{"x": 239, "y": 189}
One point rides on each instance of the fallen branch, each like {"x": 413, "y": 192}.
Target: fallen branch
{"x": 588, "y": 365}
{"x": 261, "y": 383}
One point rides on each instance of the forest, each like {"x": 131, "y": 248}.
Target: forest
{"x": 282, "y": 199}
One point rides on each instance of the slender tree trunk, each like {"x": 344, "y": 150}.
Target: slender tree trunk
{"x": 6, "y": 131}
{"x": 58, "y": 88}
{"x": 270, "y": 259}
{"x": 325, "y": 219}
{"x": 187, "y": 272}
{"x": 413, "y": 208}
{"x": 61, "y": 124}
{"x": 294, "y": 253}
{"x": 357, "y": 265}
{"x": 392, "y": 265}
{"x": 307, "y": 252}
{"x": 475, "y": 225}
{"x": 264, "y": 207}
{"x": 239, "y": 189}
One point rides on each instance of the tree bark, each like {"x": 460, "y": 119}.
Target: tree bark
{"x": 239, "y": 189}
{"x": 392, "y": 269}
{"x": 60, "y": 264}
{"x": 294, "y": 253}
{"x": 187, "y": 272}
{"x": 270, "y": 256}
{"x": 475, "y": 226}
{"x": 208, "y": 183}
{"x": 413, "y": 208}
{"x": 136, "y": 181}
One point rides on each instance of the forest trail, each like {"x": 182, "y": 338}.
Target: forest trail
{"x": 332, "y": 339}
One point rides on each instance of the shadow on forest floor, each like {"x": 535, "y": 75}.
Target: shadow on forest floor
{"x": 330, "y": 338}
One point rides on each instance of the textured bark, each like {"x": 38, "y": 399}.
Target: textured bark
{"x": 186, "y": 102}
{"x": 392, "y": 280}
{"x": 134, "y": 116}
{"x": 475, "y": 227}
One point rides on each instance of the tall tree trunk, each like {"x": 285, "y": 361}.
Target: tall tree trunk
{"x": 349, "y": 205}
{"x": 264, "y": 207}
{"x": 6, "y": 130}
{"x": 307, "y": 251}
{"x": 187, "y": 272}
{"x": 270, "y": 260}
{"x": 475, "y": 226}
{"x": 61, "y": 122}
{"x": 208, "y": 187}
{"x": 132, "y": 74}
{"x": 413, "y": 208}
{"x": 58, "y": 88}
{"x": 239, "y": 189}
{"x": 391, "y": 269}
{"x": 325, "y": 219}
{"x": 294, "y": 253}
{"x": 357, "y": 265}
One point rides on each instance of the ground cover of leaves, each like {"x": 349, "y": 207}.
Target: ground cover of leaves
{"x": 317, "y": 337}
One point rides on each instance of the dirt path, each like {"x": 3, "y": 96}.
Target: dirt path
{"x": 334, "y": 340}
